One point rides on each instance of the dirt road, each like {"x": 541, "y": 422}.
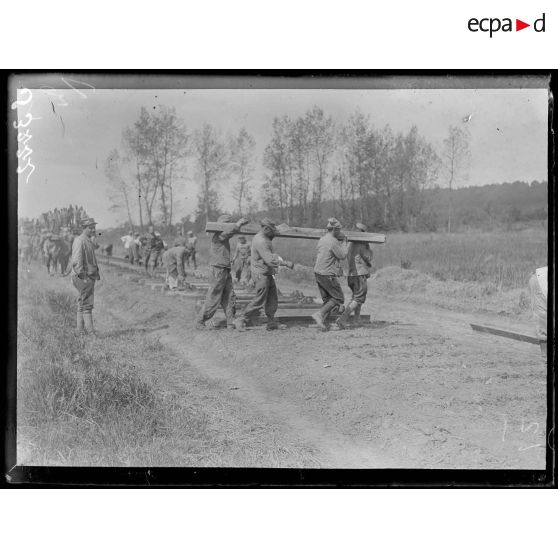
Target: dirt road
{"x": 417, "y": 388}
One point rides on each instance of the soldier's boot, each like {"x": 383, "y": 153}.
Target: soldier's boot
{"x": 273, "y": 324}
{"x": 88, "y": 323}
{"x": 344, "y": 318}
{"x": 357, "y": 320}
{"x": 239, "y": 324}
{"x": 320, "y": 316}
{"x": 79, "y": 322}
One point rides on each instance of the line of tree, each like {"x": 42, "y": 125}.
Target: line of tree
{"x": 313, "y": 167}
{"x": 145, "y": 174}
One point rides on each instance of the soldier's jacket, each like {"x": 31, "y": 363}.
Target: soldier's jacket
{"x": 330, "y": 254}
{"x": 192, "y": 241}
{"x": 243, "y": 251}
{"x": 220, "y": 247}
{"x": 84, "y": 260}
{"x": 264, "y": 261}
{"x": 175, "y": 258}
{"x": 359, "y": 258}
{"x": 151, "y": 241}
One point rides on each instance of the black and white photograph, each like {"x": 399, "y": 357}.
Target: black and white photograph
{"x": 331, "y": 273}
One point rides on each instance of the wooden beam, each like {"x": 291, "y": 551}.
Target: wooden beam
{"x": 507, "y": 333}
{"x": 305, "y": 320}
{"x": 285, "y": 231}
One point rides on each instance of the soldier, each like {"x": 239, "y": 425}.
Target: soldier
{"x": 85, "y": 272}
{"x": 360, "y": 264}
{"x": 264, "y": 267}
{"x": 191, "y": 242}
{"x": 538, "y": 286}
{"x": 332, "y": 249}
{"x": 128, "y": 240}
{"x": 25, "y": 244}
{"x": 241, "y": 261}
{"x": 220, "y": 291}
{"x": 174, "y": 259}
{"x": 150, "y": 243}
{"x": 136, "y": 246}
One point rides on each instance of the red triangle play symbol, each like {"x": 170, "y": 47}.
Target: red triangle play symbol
{"x": 519, "y": 25}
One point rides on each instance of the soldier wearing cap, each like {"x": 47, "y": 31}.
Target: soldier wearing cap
{"x": 241, "y": 261}
{"x": 264, "y": 267}
{"x": 220, "y": 291}
{"x": 85, "y": 272}
{"x": 174, "y": 259}
{"x": 191, "y": 243}
{"x": 152, "y": 248}
{"x": 332, "y": 250}
{"x": 359, "y": 258}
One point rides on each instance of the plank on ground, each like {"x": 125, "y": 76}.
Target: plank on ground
{"x": 290, "y": 320}
{"x": 298, "y": 232}
{"x": 506, "y": 333}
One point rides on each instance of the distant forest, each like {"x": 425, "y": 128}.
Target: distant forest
{"x": 489, "y": 207}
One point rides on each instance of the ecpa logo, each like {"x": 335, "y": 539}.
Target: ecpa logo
{"x": 494, "y": 24}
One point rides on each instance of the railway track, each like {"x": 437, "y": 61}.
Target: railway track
{"x": 196, "y": 289}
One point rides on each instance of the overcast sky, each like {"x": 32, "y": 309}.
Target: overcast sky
{"x": 70, "y": 143}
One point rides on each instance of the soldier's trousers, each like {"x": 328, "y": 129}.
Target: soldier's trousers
{"x": 219, "y": 293}
{"x": 242, "y": 270}
{"x": 265, "y": 297}
{"x": 331, "y": 293}
{"x": 538, "y": 304}
{"x": 359, "y": 287}
{"x": 86, "y": 293}
{"x": 151, "y": 258}
{"x": 172, "y": 276}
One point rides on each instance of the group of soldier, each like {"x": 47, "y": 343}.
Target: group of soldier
{"x": 254, "y": 264}
{"x": 55, "y": 219}
{"x": 332, "y": 251}
{"x": 149, "y": 249}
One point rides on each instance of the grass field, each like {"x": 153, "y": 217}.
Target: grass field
{"x": 501, "y": 259}
{"x": 123, "y": 399}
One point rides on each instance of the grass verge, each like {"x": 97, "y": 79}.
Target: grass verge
{"x": 124, "y": 399}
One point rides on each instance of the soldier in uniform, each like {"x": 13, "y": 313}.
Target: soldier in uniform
{"x": 150, "y": 243}
{"x": 264, "y": 268}
{"x": 332, "y": 250}
{"x": 220, "y": 291}
{"x": 538, "y": 287}
{"x": 360, "y": 264}
{"x": 85, "y": 272}
{"x": 25, "y": 244}
{"x": 191, "y": 243}
{"x": 174, "y": 259}
{"x": 241, "y": 261}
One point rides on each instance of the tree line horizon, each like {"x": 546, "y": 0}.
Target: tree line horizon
{"x": 313, "y": 167}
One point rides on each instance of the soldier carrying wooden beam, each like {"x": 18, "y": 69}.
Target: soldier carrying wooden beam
{"x": 220, "y": 291}
{"x": 359, "y": 258}
{"x": 264, "y": 267}
{"x": 332, "y": 250}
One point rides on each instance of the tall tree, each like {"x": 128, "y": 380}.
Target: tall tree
{"x": 159, "y": 144}
{"x": 212, "y": 166}
{"x": 455, "y": 161}
{"x": 321, "y": 133}
{"x": 242, "y": 164}
{"x": 278, "y": 185}
{"x": 120, "y": 192}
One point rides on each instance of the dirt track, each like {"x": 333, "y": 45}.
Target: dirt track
{"x": 417, "y": 388}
